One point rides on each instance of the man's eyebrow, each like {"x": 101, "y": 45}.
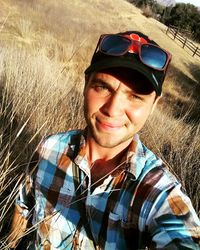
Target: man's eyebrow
{"x": 96, "y": 80}
{"x": 100, "y": 81}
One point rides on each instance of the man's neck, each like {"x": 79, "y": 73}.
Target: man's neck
{"x": 96, "y": 152}
{"x": 103, "y": 161}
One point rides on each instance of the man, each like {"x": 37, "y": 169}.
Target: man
{"x": 101, "y": 188}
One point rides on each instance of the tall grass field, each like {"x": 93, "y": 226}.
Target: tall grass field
{"x": 45, "y": 46}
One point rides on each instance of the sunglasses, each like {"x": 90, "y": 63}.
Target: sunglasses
{"x": 151, "y": 55}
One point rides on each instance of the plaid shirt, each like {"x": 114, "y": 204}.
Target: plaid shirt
{"x": 138, "y": 205}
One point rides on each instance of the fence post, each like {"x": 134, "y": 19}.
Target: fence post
{"x": 175, "y": 34}
{"x": 167, "y": 29}
{"x": 185, "y": 41}
{"x": 195, "y": 51}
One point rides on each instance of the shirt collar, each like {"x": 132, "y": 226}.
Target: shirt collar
{"x": 133, "y": 161}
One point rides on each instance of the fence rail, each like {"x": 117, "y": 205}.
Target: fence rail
{"x": 182, "y": 36}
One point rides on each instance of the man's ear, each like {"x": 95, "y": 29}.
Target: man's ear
{"x": 155, "y": 103}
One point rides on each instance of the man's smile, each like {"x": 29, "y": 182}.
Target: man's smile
{"x": 109, "y": 126}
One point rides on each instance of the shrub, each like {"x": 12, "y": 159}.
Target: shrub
{"x": 147, "y": 11}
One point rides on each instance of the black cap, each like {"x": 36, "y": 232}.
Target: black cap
{"x": 101, "y": 61}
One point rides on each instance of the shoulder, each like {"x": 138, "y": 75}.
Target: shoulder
{"x": 152, "y": 175}
{"x": 156, "y": 176}
{"x": 163, "y": 188}
{"x": 59, "y": 141}
{"x": 155, "y": 166}
{"x": 54, "y": 149}
{"x": 151, "y": 159}
{"x": 60, "y": 137}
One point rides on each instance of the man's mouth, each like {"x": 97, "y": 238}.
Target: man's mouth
{"x": 109, "y": 126}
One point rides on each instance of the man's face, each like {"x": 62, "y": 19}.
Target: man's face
{"x": 116, "y": 106}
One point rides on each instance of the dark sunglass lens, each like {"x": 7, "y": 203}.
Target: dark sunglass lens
{"x": 153, "y": 56}
{"x": 115, "y": 45}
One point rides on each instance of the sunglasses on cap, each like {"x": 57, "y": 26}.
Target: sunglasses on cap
{"x": 150, "y": 54}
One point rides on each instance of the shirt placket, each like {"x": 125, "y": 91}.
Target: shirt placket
{"x": 96, "y": 203}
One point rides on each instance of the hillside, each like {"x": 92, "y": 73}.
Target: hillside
{"x": 92, "y": 19}
{"x": 45, "y": 47}
{"x": 86, "y": 19}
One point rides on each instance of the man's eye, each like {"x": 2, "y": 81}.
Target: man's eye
{"x": 101, "y": 88}
{"x": 135, "y": 97}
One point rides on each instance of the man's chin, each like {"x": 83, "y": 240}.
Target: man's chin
{"x": 105, "y": 144}
{"x": 110, "y": 140}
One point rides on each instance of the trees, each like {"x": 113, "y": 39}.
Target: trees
{"x": 152, "y": 5}
{"x": 187, "y": 17}
{"x": 183, "y": 16}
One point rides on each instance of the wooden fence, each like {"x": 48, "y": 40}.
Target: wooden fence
{"x": 182, "y": 37}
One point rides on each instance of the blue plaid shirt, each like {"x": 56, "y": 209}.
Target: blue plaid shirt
{"x": 139, "y": 205}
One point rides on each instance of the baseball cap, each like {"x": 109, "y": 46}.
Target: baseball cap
{"x": 102, "y": 60}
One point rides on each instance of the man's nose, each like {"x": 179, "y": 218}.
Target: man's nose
{"x": 114, "y": 105}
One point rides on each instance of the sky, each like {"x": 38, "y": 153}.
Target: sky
{"x": 194, "y": 2}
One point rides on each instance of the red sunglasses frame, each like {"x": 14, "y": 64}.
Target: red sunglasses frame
{"x": 139, "y": 44}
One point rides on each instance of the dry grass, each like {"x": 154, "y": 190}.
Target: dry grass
{"x": 45, "y": 47}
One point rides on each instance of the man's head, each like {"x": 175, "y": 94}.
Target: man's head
{"x": 122, "y": 88}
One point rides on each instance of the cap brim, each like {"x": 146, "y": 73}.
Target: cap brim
{"x": 121, "y": 63}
